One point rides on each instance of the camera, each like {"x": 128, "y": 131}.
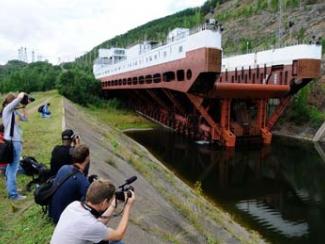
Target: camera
{"x": 27, "y": 99}
{"x": 126, "y": 187}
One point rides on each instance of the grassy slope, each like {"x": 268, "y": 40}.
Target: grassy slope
{"x": 120, "y": 119}
{"x": 22, "y": 222}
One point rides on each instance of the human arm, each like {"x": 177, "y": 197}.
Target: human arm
{"x": 106, "y": 216}
{"x": 119, "y": 232}
{"x": 11, "y": 106}
{"x": 22, "y": 115}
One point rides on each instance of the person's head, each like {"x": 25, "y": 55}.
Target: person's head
{"x": 80, "y": 155}
{"x": 100, "y": 194}
{"x": 48, "y": 104}
{"x": 67, "y": 137}
{"x": 8, "y": 99}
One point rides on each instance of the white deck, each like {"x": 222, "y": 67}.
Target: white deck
{"x": 272, "y": 57}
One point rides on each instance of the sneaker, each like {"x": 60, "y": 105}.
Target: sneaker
{"x": 18, "y": 197}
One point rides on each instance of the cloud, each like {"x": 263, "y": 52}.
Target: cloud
{"x": 68, "y": 28}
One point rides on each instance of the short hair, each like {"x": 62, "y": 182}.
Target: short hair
{"x": 80, "y": 153}
{"x": 100, "y": 190}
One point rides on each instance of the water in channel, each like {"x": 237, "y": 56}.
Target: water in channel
{"x": 278, "y": 190}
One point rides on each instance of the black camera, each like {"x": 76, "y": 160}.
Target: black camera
{"x": 27, "y": 99}
{"x": 126, "y": 187}
{"x": 75, "y": 137}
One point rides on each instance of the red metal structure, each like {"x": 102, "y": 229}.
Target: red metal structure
{"x": 205, "y": 97}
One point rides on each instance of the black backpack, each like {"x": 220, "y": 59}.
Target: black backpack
{"x": 37, "y": 170}
{"x": 40, "y": 109}
{"x": 44, "y": 192}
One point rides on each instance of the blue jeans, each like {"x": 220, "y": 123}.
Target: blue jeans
{"x": 11, "y": 170}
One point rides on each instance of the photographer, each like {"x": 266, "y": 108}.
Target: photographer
{"x": 85, "y": 222}
{"x": 62, "y": 154}
{"x": 75, "y": 186}
{"x": 9, "y": 112}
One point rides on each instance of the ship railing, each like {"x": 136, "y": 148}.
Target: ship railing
{"x": 270, "y": 47}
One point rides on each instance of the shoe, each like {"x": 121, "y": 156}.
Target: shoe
{"x": 18, "y": 198}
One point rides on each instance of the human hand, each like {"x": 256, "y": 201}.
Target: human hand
{"x": 21, "y": 95}
{"x": 91, "y": 178}
{"x": 130, "y": 199}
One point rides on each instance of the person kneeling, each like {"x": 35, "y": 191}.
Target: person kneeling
{"x": 85, "y": 222}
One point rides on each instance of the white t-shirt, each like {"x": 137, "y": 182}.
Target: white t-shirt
{"x": 78, "y": 226}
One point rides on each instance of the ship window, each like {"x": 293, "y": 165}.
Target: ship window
{"x": 242, "y": 72}
{"x": 280, "y": 78}
{"x": 150, "y": 58}
{"x": 226, "y": 74}
{"x": 180, "y": 49}
{"x": 249, "y": 72}
{"x": 189, "y": 74}
{"x": 286, "y": 77}
{"x": 120, "y": 82}
{"x": 129, "y": 81}
{"x": 135, "y": 80}
{"x": 253, "y": 78}
{"x": 168, "y": 76}
{"x": 124, "y": 81}
{"x": 156, "y": 78}
{"x": 141, "y": 80}
{"x": 165, "y": 54}
{"x": 155, "y": 56}
{"x": 148, "y": 79}
{"x": 180, "y": 75}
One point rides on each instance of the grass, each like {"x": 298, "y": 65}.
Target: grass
{"x": 23, "y": 222}
{"x": 119, "y": 118}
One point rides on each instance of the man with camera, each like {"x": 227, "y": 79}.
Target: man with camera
{"x": 72, "y": 180}
{"x": 12, "y": 132}
{"x": 62, "y": 154}
{"x": 85, "y": 222}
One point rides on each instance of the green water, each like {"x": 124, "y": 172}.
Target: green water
{"x": 277, "y": 190}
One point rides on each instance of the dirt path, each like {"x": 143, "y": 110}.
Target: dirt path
{"x": 153, "y": 219}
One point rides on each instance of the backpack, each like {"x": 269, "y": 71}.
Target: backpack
{"x": 44, "y": 192}
{"x": 37, "y": 170}
{"x": 40, "y": 109}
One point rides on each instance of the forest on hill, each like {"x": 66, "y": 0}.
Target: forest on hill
{"x": 249, "y": 25}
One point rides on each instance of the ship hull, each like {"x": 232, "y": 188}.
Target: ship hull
{"x": 196, "y": 72}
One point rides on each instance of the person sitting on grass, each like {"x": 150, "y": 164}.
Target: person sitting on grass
{"x": 44, "y": 110}
{"x": 75, "y": 187}
{"x": 85, "y": 222}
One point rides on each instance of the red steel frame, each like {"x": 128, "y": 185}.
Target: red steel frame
{"x": 224, "y": 111}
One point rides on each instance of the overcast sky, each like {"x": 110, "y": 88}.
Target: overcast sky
{"x": 68, "y": 28}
